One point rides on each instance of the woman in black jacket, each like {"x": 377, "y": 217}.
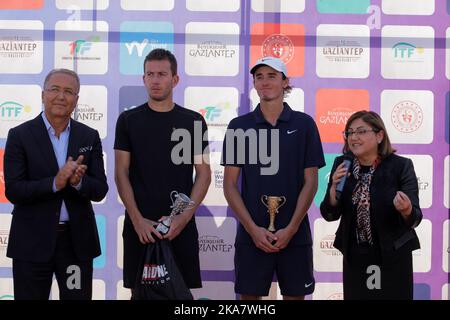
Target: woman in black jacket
{"x": 379, "y": 209}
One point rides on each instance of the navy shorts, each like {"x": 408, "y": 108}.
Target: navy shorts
{"x": 255, "y": 269}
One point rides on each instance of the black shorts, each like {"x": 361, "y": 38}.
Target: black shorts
{"x": 185, "y": 250}
{"x": 255, "y": 269}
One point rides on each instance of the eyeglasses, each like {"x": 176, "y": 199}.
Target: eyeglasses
{"x": 66, "y": 92}
{"x": 357, "y": 133}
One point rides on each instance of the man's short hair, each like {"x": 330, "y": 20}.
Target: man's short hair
{"x": 63, "y": 71}
{"x": 162, "y": 54}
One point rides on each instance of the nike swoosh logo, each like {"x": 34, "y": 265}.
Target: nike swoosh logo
{"x": 291, "y": 131}
{"x": 307, "y": 285}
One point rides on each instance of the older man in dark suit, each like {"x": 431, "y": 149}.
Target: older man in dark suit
{"x": 53, "y": 167}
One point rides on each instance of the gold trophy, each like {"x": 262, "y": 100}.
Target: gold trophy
{"x": 273, "y": 203}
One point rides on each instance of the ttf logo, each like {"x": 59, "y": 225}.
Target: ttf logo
{"x": 210, "y": 112}
{"x": 80, "y": 47}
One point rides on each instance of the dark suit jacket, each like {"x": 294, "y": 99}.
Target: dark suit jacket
{"x": 393, "y": 174}
{"x": 30, "y": 166}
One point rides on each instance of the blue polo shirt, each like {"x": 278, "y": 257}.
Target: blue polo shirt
{"x": 298, "y": 147}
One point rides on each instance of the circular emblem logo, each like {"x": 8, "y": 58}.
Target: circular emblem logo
{"x": 278, "y": 46}
{"x": 407, "y": 116}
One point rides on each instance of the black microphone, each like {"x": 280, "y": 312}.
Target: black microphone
{"x": 348, "y": 160}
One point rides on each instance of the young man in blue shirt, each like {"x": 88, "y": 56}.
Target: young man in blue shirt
{"x": 277, "y": 152}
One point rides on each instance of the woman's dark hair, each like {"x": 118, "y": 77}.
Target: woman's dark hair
{"x": 377, "y": 125}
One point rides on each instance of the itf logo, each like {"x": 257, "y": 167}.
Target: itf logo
{"x": 137, "y": 39}
{"x": 11, "y": 110}
{"x": 343, "y": 6}
{"x": 405, "y": 51}
{"x": 17, "y": 107}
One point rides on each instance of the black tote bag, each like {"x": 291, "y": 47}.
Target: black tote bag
{"x": 159, "y": 277}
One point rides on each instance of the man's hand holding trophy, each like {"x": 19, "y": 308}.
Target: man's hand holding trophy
{"x": 180, "y": 202}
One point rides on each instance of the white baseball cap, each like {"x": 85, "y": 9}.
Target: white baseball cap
{"x": 272, "y": 62}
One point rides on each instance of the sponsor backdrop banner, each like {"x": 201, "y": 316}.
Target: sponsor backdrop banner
{"x": 389, "y": 56}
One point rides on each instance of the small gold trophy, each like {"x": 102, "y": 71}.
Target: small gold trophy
{"x": 273, "y": 203}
